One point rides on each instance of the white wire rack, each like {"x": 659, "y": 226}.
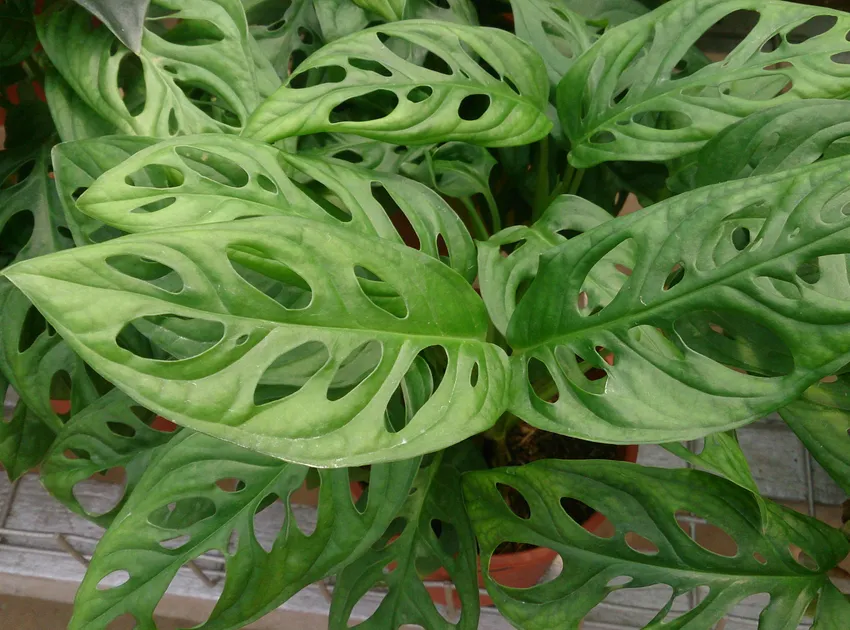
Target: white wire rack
{"x": 40, "y": 538}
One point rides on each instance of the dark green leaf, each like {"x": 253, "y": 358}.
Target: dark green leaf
{"x": 125, "y": 18}
{"x": 833, "y": 609}
{"x": 17, "y": 34}
{"x": 23, "y": 441}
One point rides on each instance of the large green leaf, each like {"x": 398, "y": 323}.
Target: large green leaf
{"x": 178, "y": 512}
{"x": 73, "y": 118}
{"x": 286, "y": 33}
{"x": 342, "y": 316}
{"x": 200, "y": 76}
{"x": 338, "y": 18}
{"x": 821, "y": 419}
{"x": 767, "y": 253}
{"x": 833, "y": 609}
{"x": 776, "y": 139}
{"x": 214, "y": 178}
{"x": 125, "y": 18}
{"x": 431, "y": 531}
{"x": 645, "y": 502}
{"x": 112, "y": 432}
{"x": 24, "y": 441}
{"x": 628, "y": 96}
{"x": 368, "y": 89}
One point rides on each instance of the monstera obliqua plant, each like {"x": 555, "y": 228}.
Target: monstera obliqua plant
{"x": 383, "y": 242}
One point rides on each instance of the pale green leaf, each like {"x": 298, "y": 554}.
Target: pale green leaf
{"x": 178, "y": 512}
{"x": 766, "y": 252}
{"x": 409, "y": 103}
{"x": 73, "y": 118}
{"x": 286, "y": 33}
{"x": 338, "y": 18}
{"x": 273, "y": 292}
{"x": 625, "y": 98}
{"x": 645, "y": 502}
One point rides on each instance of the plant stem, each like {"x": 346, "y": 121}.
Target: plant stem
{"x": 541, "y": 193}
{"x": 494, "y": 211}
{"x": 576, "y": 183}
{"x": 477, "y": 223}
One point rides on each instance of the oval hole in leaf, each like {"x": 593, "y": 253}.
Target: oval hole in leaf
{"x": 395, "y": 529}
{"x": 194, "y": 32}
{"x": 169, "y": 337}
{"x": 605, "y": 281}
{"x": 97, "y": 498}
{"x": 213, "y": 166}
{"x": 619, "y": 581}
{"x": 321, "y": 75}
{"x": 369, "y": 107}
{"x": 182, "y": 513}
{"x": 121, "y": 430}
{"x": 230, "y": 484}
{"x": 131, "y": 83}
{"x": 155, "y": 176}
{"x": 33, "y": 327}
{"x": 514, "y": 500}
{"x": 154, "y": 206}
{"x": 640, "y": 544}
{"x": 266, "y": 184}
{"x": 474, "y": 106}
{"x": 150, "y": 271}
{"x": 603, "y": 137}
{"x": 676, "y": 275}
{"x": 290, "y": 372}
{"x": 347, "y": 155}
{"x": 759, "y": 558}
{"x": 381, "y": 293}
{"x": 809, "y": 271}
{"x": 16, "y": 233}
{"x": 420, "y": 93}
{"x": 123, "y": 622}
{"x": 113, "y": 580}
{"x": 175, "y": 543}
{"x": 370, "y": 65}
{"x": 811, "y": 28}
{"x": 328, "y": 200}
{"x": 354, "y": 369}
{"x": 269, "y": 519}
{"x": 580, "y": 512}
{"x": 802, "y": 558}
{"x": 740, "y": 238}
{"x": 707, "y": 535}
{"x": 541, "y": 381}
{"x": 271, "y": 277}
{"x": 415, "y": 53}
{"x": 60, "y": 389}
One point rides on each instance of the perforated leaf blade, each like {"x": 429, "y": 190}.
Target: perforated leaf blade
{"x": 644, "y": 502}
{"x": 743, "y": 251}
{"x": 112, "y": 432}
{"x": 431, "y": 531}
{"x": 200, "y": 494}
{"x": 776, "y": 139}
{"x": 214, "y": 178}
{"x": 342, "y": 317}
{"x": 626, "y": 99}
{"x": 286, "y": 34}
{"x": 821, "y": 419}
{"x": 367, "y": 89}
{"x": 200, "y": 77}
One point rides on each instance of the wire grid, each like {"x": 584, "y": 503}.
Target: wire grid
{"x": 209, "y": 568}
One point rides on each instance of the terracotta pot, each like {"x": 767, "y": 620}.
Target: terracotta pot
{"x": 525, "y": 568}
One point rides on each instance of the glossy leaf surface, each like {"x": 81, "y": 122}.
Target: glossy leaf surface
{"x": 368, "y": 89}
{"x": 344, "y": 318}
{"x": 767, "y": 254}
{"x": 642, "y": 504}
{"x": 125, "y": 18}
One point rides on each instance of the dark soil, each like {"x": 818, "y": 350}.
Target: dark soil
{"x": 525, "y": 444}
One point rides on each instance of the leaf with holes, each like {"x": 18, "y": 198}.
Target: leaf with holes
{"x": 821, "y": 419}
{"x": 24, "y": 441}
{"x": 199, "y": 76}
{"x": 345, "y": 315}
{"x": 430, "y": 532}
{"x": 628, "y": 97}
{"x": 200, "y": 495}
{"x": 338, "y": 18}
{"x": 833, "y": 609}
{"x": 768, "y": 252}
{"x": 112, "y": 432}
{"x": 73, "y": 118}
{"x": 649, "y": 545}
{"x": 371, "y": 154}
{"x": 776, "y": 139}
{"x": 206, "y": 179}
{"x": 509, "y": 260}
{"x": 286, "y": 33}
{"x": 126, "y": 18}
{"x": 455, "y": 169}
{"x": 369, "y": 90}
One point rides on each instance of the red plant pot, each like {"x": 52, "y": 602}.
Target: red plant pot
{"x": 523, "y": 569}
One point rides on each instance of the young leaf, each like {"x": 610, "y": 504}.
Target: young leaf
{"x": 777, "y": 139}
{"x": 821, "y": 419}
{"x": 628, "y": 97}
{"x": 767, "y": 252}
{"x": 200, "y": 76}
{"x": 644, "y": 502}
{"x": 207, "y": 179}
{"x": 23, "y": 441}
{"x": 369, "y": 90}
{"x": 112, "y": 432}
{"x": 273, "y": 293}
{"x": 125, "y": 19}
{"x": 503, "y": 279}
{"x": 178, "y": 512}
{"x": 429, "y": 532}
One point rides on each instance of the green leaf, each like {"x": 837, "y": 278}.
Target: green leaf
{"x": 371, "y": 91}
{"x": 625, "y": 99}
{"x": 558, "y": 33}
{"x": 17, "y": 34}
{"x": 821, "y": 419}
{"x": 833, "y": 609}
{"x": 368, "y": 154}
{"x": 178, "y": 499}
{"x": 286, "y": 33}
{"x": 504, "y": 278}
{"x": 338, "y": 18}
{"x": 125, "y": 18}
{"x": 112, "y": 432}
{"x": 23, "y": 441}
{"x": 275, "y": 292}
{"x": 776, "y": 139}
{"x": 390, "y": 10}
{"x": 455, "y": 169}
{"x": 73, "y": 118}
{"x": 645, "y": 502}
{"x": 214, "y": 178}
{"x": 431, "y": 531}
{"x": 199, "y": 77}
{"x": 765, "y": 252}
